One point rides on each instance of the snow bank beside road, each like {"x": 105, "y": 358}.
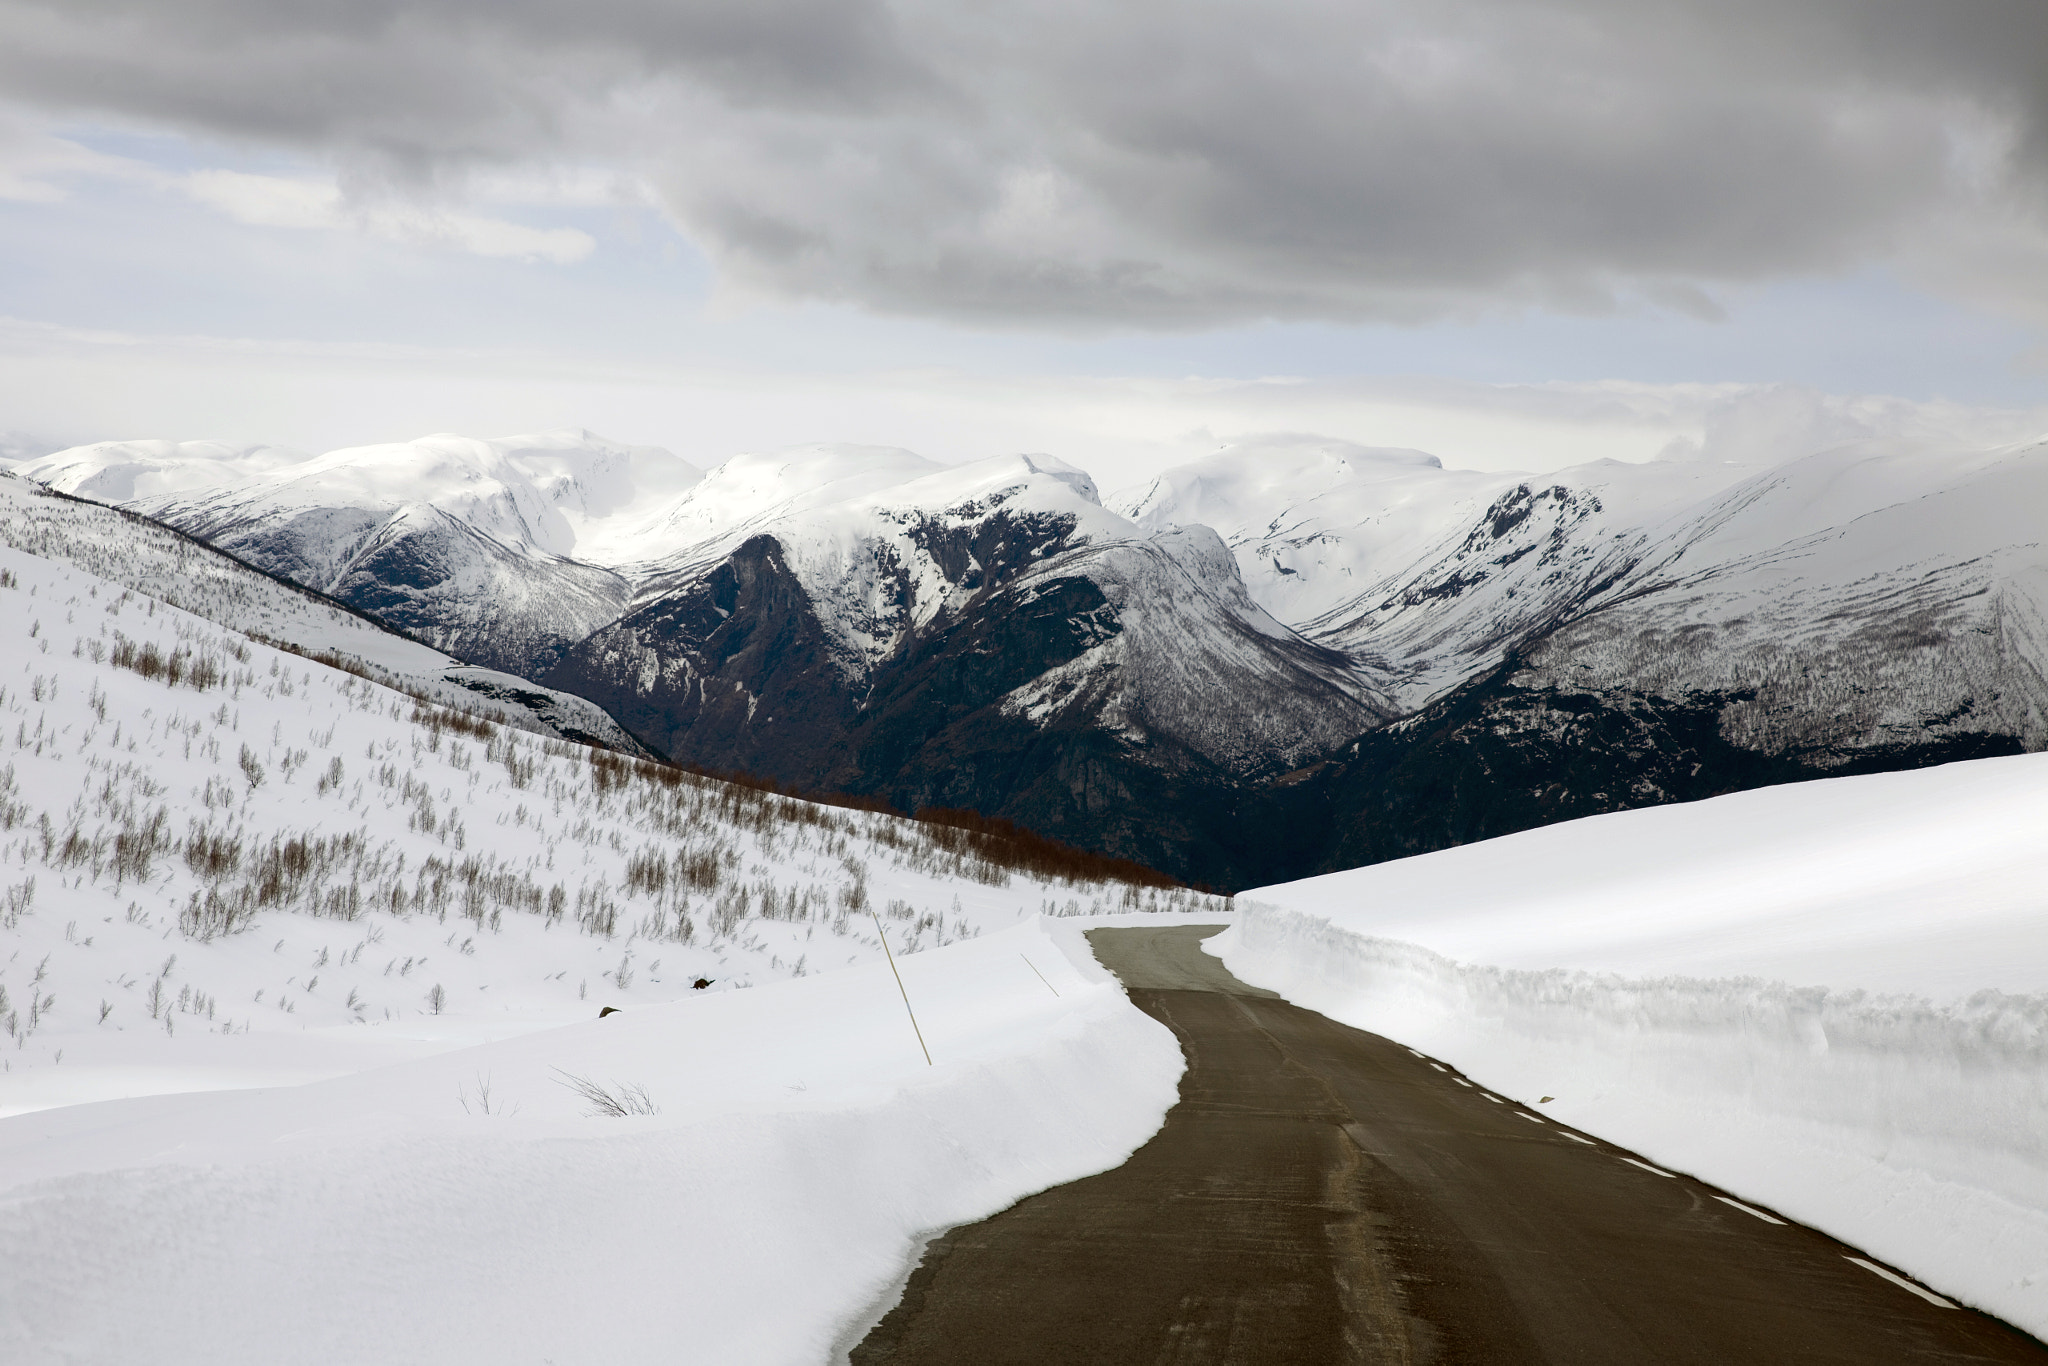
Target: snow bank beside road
{"x": 1830, "y": 997}
{"x": 802, "y": 1148}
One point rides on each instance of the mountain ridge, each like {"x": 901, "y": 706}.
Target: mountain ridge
{"x": 1229, "y": 702}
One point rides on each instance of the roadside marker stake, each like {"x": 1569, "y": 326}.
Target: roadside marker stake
{"x": 1902, "y": 1283}
{"x": 899, "y": 986}
{"x": 1041, "y": 976}
{"x": 1751, "y": 1209}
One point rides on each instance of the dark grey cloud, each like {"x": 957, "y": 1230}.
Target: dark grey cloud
{"x": 1150, "y": 162}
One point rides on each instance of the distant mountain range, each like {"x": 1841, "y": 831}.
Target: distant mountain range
{"x": 1291, "y": 656}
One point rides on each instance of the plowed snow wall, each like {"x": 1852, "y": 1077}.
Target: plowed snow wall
{"x": 1918, "y": 1132}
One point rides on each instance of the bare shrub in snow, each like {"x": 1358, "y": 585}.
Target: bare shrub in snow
{"x": 617, "y": 1102}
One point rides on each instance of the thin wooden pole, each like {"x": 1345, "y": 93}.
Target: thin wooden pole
{"x": 1041, "y": 976}
{"x": 899, "y": 986}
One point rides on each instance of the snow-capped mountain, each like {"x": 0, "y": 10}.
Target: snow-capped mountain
{"x": 1868, "y": 608}
{"x": 118, "y": 471}
{"x": 467, "y": 544}
{"x": 986, "y": 636}
{"x": 142, "y": 557}
{"x": 1432, "y": 573}
{"x": 1844, "y": 603}
{"x": 1199, "y": 673}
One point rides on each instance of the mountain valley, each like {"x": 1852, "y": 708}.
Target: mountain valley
{"x": 1292, "y": 656}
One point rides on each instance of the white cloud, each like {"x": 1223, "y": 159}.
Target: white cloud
{"x": 308, "y": 203}
{"x": 267, "y": 201}
{"x": 317, "y": 396}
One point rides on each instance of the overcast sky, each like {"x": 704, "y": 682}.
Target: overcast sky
{"x": 982, "y": 225}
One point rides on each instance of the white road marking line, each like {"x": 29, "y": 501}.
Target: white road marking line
{"x": 1751, "y": 1209}
{"x": 1495, "y": 1099}
{"x": 1526, "y": 1115}
{"x": 1648, "y": 1168}
{"x": 1587, "y": 1141}
{"x": 1440, "y": 1067}
{"x": 1902, "y": 1283}
{"x": 1413, "y": 1051}
{"x": 1461, "y": 1081}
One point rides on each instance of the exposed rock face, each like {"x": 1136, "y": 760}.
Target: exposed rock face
{"x": 993, "y": 641}
{"x": 432, "y": 576}
{"x": 1512, "y": 751}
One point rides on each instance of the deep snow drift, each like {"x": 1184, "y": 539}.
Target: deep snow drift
{"x": 1830, "y": 997}
{"x": 471, "y": 1207}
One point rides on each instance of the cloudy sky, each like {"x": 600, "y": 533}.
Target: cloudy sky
{"x": 1514, "y": 231}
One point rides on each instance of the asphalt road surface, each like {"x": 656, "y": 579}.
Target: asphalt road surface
{"x": 1323, "y": 1195}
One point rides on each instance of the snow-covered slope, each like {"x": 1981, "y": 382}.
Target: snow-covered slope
{"x": 209, "y": 841}
{"x": 117, "y": 471}
{"x": 1829, "y": 997}
{"x": 472, "y": 1208}
{"x": 466, "y": 543}
{"x": 1388, "y": 556}
{"x": 140, "y": 556}
{"x": 749, "y": 491}
{"x": 1841, "y": 603}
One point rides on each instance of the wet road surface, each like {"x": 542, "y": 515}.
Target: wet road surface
{"x": 1323, "y": 1195}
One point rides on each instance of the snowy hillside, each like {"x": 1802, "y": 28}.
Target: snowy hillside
{"x": 118, "y": 471}
{"x": 1650, "y": 567}
{"x": 231, "y": 864}
{"x": 1389, "y": 556}
{"x": 751, "y": 490}
{"x": 1840, "y": 603}
{"x": 782, "y": 1155}
{"x": 1828, "y": 996}
{"x": 465, "y": 543}
{"x": 144, "y": 558}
